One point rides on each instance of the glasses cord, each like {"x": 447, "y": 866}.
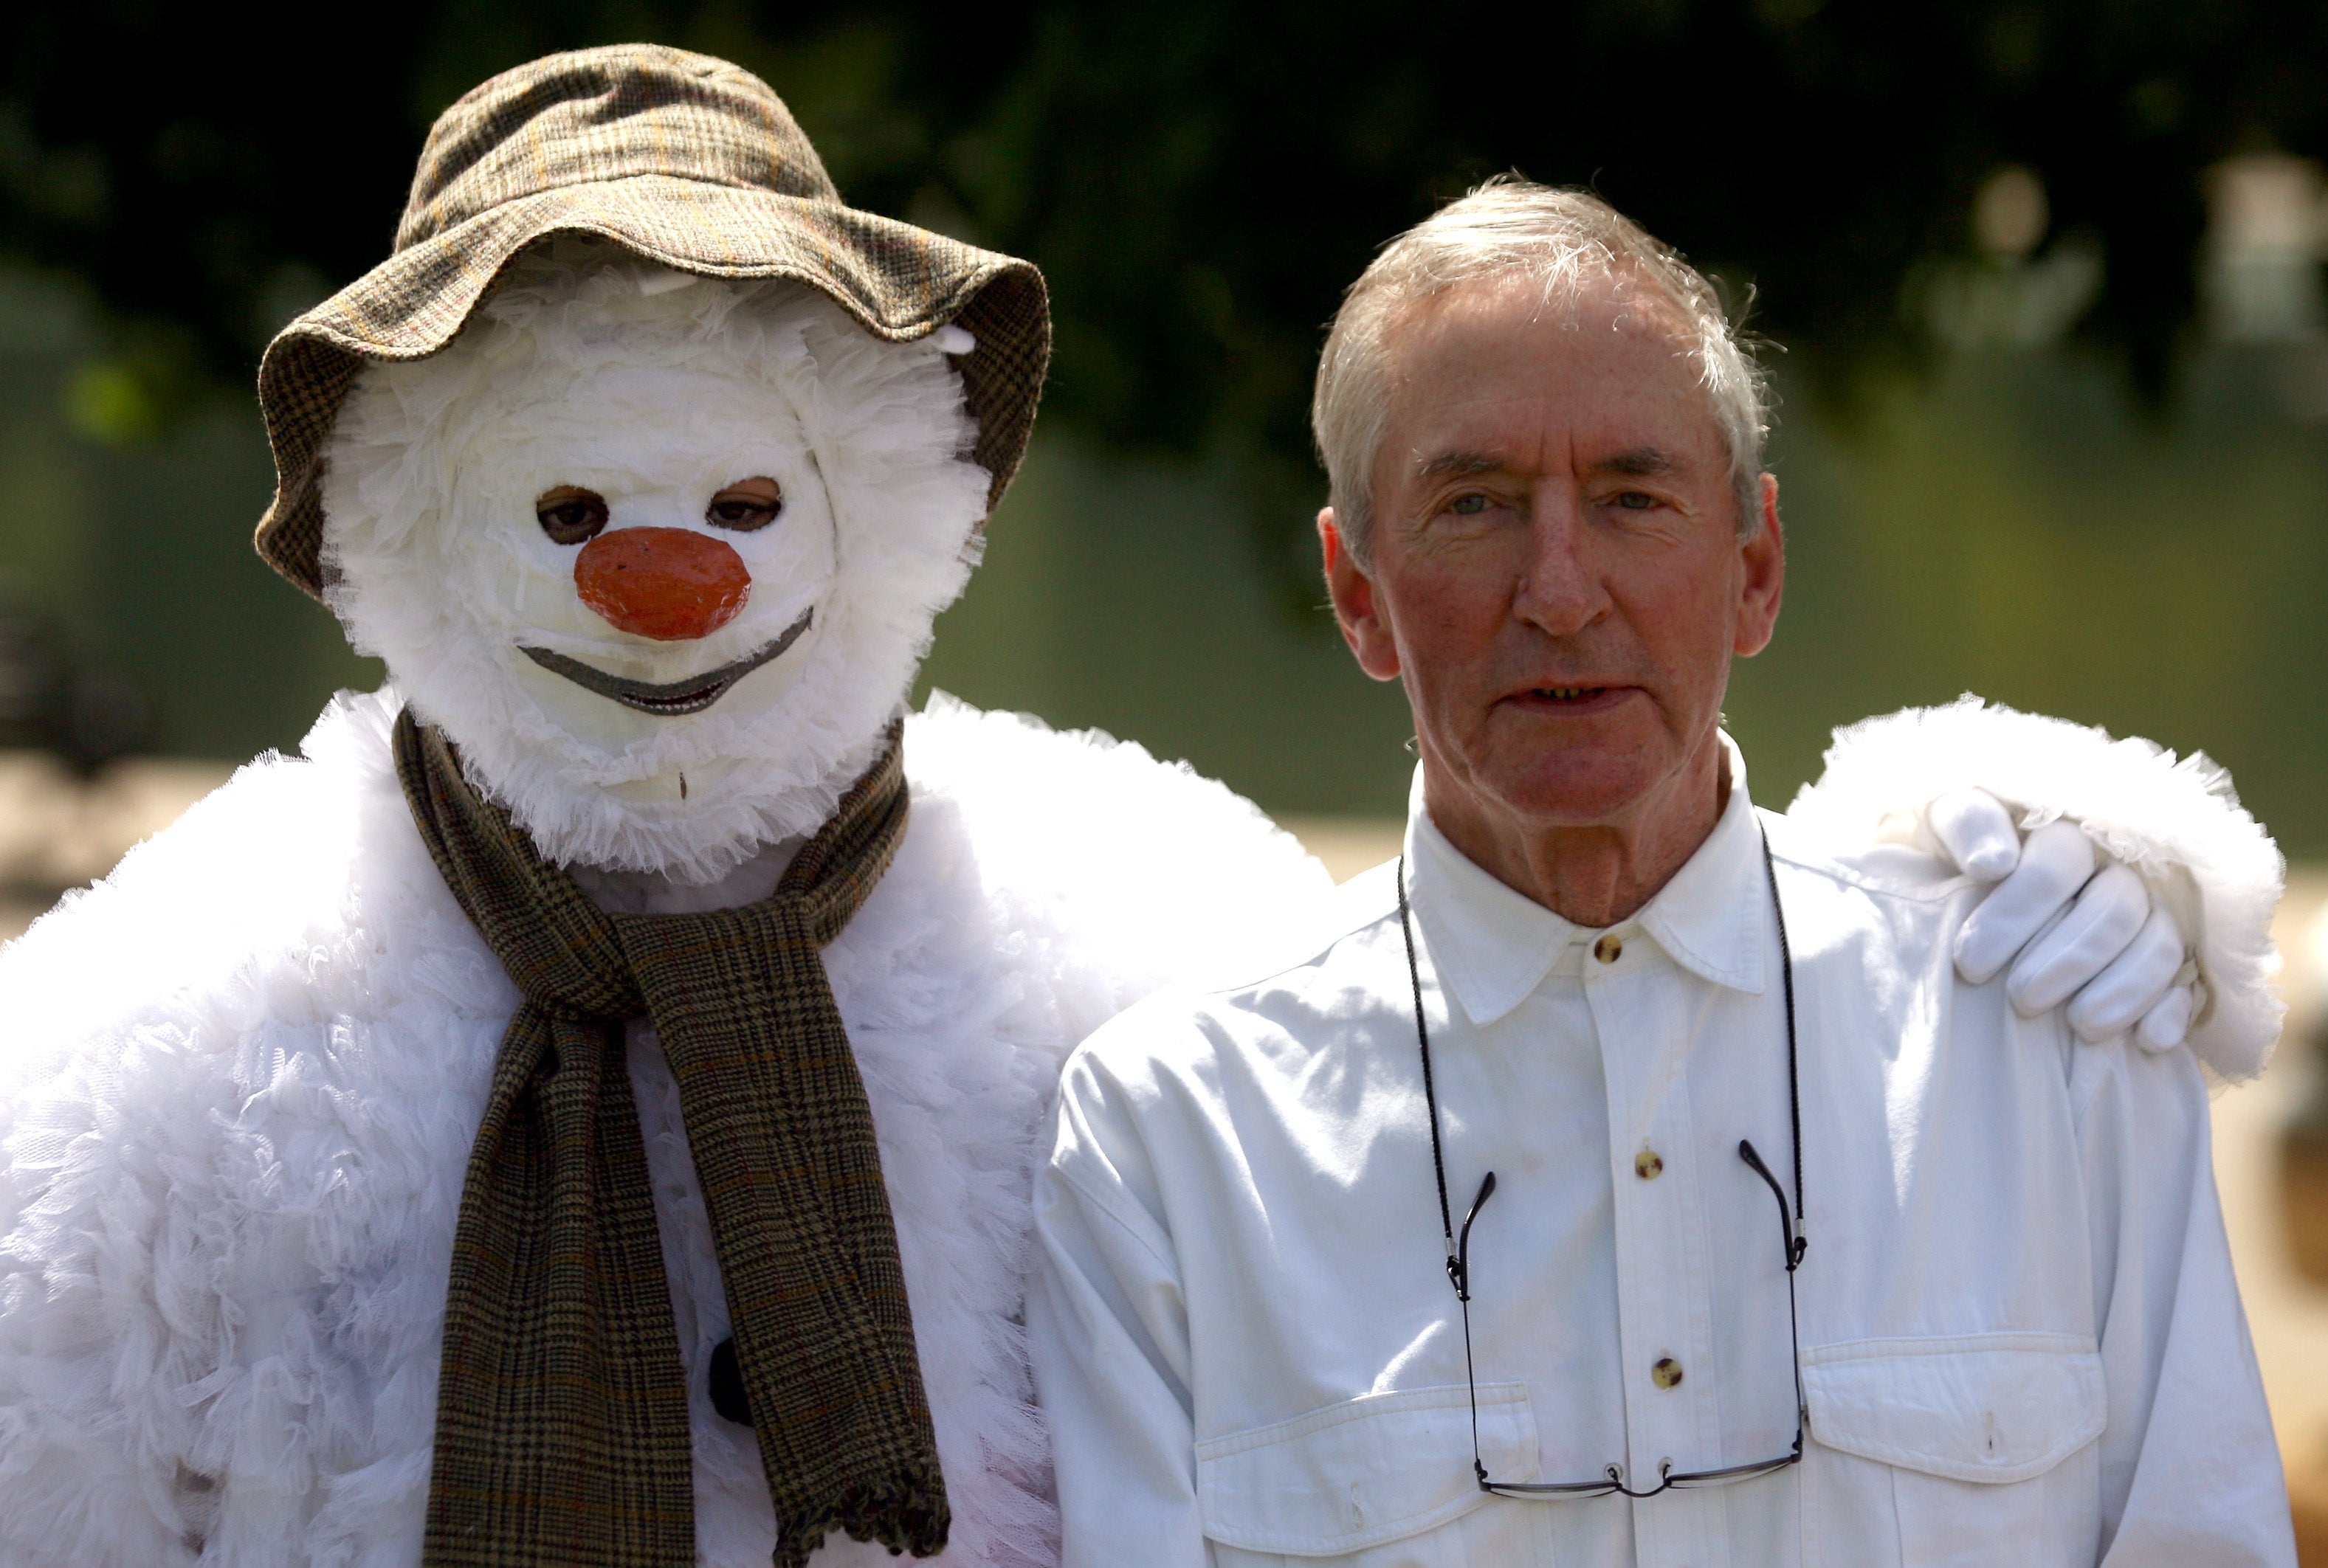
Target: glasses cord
{"x": 1458, "y": 1249}
{"x": 1459, "y": 1261}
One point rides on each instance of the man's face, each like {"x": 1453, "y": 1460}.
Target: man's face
{"x": 1557, "y": 574}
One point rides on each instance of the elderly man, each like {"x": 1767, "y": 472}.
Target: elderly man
{"x": 1626, "y": 1176}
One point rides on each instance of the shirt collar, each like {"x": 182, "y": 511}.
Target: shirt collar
{"x": 1492, "y": 946}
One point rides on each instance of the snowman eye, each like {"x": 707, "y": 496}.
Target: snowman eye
{"x": 569, "y": 514}
{"x": 745, "y": 505}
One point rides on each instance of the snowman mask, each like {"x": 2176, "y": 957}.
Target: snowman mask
{"x": 658, "y": 554}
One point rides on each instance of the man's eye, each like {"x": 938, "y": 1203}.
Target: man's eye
{"x": 569, "y": 514}
{"x": 1468, "y": 506}
{"x": 746, "y": 515}
{"x": 1636, "y": 500}
{"x": 742, "y": 507}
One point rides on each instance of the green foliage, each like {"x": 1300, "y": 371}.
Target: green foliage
{"x": 142, "y": 390}
{"x": 1200, "y": 180}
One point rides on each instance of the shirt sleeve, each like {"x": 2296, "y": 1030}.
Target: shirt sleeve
{"x": 1108, "y": 1330}
{"x": 2190, "y": 1467}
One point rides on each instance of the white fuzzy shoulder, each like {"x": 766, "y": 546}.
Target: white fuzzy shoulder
{"x": 239, "y": 1080}
{"x": 2178, "y": 823}
{"x": 311, "y": 858}
{"x": 1149, "y": 872}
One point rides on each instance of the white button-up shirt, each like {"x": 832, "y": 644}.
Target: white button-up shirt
{"x": 2021, "y": 1342}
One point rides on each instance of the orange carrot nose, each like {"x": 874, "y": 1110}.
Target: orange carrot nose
{"x": 667, "y": 584}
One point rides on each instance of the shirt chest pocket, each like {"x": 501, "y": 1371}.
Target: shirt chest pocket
{"x": 1970, "y": 1449}
{"x": 1381, "y": 1481}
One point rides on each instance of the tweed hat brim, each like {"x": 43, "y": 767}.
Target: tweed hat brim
{"x": 899, "y": 283}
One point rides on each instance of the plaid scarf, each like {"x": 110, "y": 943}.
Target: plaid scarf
{"x": 562, "y": 1411}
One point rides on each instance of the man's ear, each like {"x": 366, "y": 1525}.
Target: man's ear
{"x": 1356, "y": 607}
{"x": 1764, "y": 556}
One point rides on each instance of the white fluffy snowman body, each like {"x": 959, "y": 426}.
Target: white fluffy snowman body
{"x": 241, "y": 1076}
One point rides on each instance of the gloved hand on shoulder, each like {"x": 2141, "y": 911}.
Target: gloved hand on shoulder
{"x": 2075, "y": 926}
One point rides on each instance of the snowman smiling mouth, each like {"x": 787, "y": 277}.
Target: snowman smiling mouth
{"x": 668, "y": 699}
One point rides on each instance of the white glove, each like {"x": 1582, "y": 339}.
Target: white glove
{"x": 2086, "y": 937}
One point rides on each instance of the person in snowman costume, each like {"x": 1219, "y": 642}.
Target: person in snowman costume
{"x": 582, "y": 1111}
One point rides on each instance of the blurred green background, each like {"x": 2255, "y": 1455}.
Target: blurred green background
{"x": 2040, "y": 285}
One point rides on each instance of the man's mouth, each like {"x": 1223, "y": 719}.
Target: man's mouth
{"x": 667, "y": 699}
{"x": 1580, "y": 701}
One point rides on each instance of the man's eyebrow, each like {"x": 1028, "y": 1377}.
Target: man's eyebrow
{"x": 1640, "y": 463}
{"x": 1459, "y": 465}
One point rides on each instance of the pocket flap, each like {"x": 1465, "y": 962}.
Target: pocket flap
{"x": 1372, "y": 1469}
{"x": 1976, "y": 1407}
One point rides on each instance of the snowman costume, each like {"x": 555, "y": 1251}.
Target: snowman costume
{"x": 241, "y": 1077}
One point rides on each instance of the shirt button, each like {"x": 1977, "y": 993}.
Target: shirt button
{"x": 1607, "y": 949}
{"x": 1648, "y": 1166}
{"x": 1665, "y": 1373}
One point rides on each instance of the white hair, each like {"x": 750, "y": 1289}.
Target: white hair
{"x": 437, "y": 564}
{"x": 1561, "y": 238}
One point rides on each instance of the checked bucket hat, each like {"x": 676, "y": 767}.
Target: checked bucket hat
{"x": 679, "y": 158}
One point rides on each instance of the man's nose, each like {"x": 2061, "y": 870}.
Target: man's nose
{"x": 1560, "y": 589}
{"x": 667, "y": 584}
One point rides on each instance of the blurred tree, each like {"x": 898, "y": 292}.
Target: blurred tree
{"x": 1200, "y": 180}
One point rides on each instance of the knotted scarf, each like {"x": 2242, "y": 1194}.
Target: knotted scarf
{"x": 561, "y": 1408}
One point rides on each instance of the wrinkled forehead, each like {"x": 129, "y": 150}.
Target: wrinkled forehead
{"x": 1511, "y": 362}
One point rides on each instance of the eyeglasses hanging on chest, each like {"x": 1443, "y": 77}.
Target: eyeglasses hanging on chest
{"x": 1612, "y": 1479}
